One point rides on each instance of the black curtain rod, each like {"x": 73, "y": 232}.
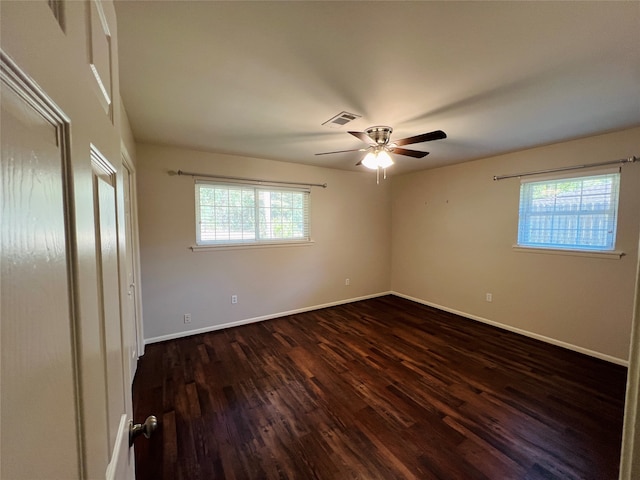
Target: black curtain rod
{"x": 562, "y": 169}
{"x": 243, "y": 179}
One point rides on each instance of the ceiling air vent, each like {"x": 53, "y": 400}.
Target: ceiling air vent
{"x": 341, "y": 120}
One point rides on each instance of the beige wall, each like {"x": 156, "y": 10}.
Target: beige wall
{"x": 452, "y": 234}
{"x": 349, "y": 228}
{"x": 447, "y": 242}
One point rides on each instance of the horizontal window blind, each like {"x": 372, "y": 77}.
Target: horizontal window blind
{"x": 572, "y": 213}
{"x": 233, "y": 214}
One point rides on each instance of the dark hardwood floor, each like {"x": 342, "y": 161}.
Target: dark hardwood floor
{"x": 378, "y": 389}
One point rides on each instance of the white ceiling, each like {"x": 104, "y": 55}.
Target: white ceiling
{"x": 259, "y": 78}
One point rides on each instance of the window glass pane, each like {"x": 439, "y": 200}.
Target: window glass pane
{"x": 576, "y": 213}
{"x": 221, "y": 195}
{"x": 239, "y": 213}
{"x": 235, "y": 198}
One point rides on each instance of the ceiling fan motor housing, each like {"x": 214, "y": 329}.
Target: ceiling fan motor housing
{"x": 379, "y": 134}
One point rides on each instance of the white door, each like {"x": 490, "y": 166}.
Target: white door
{"x": 66, "y": 406}
{"x": 114, "y": 326}
{"x": 39, "y": 423}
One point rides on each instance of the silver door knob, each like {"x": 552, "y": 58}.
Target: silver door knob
{"x": 146, "y": 428}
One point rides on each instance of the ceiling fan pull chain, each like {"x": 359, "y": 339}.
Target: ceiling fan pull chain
{"x": 378, "y": 176}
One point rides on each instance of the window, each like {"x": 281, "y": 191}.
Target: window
{"x": 578, "y": 213}
{"x": 241, "y": 214}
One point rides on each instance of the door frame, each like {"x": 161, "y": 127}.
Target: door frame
{"x": 135, "y": 242}
{"x": 630, "y": 454}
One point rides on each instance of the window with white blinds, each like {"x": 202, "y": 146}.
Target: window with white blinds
{"x": 246, "y": 214}
{"x": 577, "y": 213}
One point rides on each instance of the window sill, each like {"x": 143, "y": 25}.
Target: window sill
{"x": 242, "y": 246}
{"x": 612, "y": 254}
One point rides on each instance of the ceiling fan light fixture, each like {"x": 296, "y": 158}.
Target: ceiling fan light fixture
{"x": 378, "y": 158}
{"x": 384, "y": 159}
{"x": 370, "y": 161}
{"x": 379, "y": 146}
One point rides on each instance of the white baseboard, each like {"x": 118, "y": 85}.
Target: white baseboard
{"x": 212, "y": 328}
{"x": 552, "y": 341}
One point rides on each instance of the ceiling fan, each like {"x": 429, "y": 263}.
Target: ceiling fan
{"x": 379, "y": 147}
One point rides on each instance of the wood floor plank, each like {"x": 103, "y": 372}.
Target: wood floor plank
{"x": 379, "y": 389}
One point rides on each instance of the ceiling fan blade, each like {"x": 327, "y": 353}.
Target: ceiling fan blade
{"x": 363, "y": 136}
{"x": 342, "y": 151}
{"x": 409, "y": 153}
{"x": 425, "y": 137}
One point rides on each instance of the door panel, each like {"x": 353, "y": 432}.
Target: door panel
{"x": 38, "y": 381}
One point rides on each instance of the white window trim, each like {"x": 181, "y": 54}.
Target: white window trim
{"x": 242, "y": 246}
{"x": 608, "y": 254}
{"x": 557, "y": 250}
{"x": 260, "y": 243}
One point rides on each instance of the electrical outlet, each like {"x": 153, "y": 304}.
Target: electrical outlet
{"x": 234, "y": 299}
{"x": 347, "y": 281}
{"x": 187, "y": 318}
{"x": 489, "y": 297}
